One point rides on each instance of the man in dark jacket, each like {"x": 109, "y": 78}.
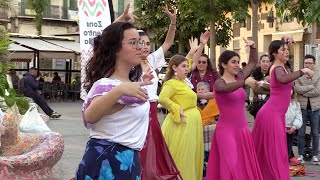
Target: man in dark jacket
{"x": 30, "y": 89}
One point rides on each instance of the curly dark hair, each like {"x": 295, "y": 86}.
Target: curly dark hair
{"x": 105, "y": 49}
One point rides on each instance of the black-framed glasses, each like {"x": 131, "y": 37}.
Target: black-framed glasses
{"x": 308, "y": 63}
{"x": 202, "y": 62}
{"x": 135, "y": 43}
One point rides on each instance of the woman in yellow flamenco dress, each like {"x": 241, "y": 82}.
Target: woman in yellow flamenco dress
{"x": 182, "y": 128}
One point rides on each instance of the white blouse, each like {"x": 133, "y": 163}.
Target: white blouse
{"x": 128, "y": 126}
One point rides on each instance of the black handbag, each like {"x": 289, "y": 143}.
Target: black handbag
{"x": 256, "y": 106}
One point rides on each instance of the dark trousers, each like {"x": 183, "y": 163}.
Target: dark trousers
{"x": 38, "y": 99}
{"x": 290, "y": 138}
{"x": 313, "y": 117}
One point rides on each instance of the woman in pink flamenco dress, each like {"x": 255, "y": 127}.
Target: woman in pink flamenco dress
{"x": 232, "y": 155}
{"x": 269, "y": 132}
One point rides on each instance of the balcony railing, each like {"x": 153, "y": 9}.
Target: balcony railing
{"x": 53, "y": 11}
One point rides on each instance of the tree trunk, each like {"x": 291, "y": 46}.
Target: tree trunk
{"x": 255, "y": 6}
{"x": 181, "y": 45}
{"x": 213, "y": 42}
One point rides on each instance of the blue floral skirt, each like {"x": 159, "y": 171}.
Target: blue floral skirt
{"x": 104, "y": 160}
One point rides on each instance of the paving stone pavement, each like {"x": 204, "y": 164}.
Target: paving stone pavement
{"x": 76, "y": 136}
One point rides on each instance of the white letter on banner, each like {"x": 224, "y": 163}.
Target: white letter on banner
{"x": 94, "y": 16}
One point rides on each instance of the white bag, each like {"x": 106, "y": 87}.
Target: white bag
{"x": 32, "y": 122}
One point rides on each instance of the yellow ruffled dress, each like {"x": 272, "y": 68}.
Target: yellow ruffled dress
{"x": 185, "y": 141}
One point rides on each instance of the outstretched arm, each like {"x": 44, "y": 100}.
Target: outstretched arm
{"x": 285, "y": 78}
{"x": 172, "y": 29}
{"x": 221, "y": 86}
{"x": 196, "y": 56}
{"x": 193, "y": 42}
{"x": 253, "y": 60}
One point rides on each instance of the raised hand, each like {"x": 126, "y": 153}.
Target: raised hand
{"x": 204, "y": 37}
{"x": 135, "y": 89}
{"x": 193, "y": 42}
{"x": 172, "y": 16}
{"x": 126, "y": 16}
{"x": 148, "y": 76}
{"x": 288, "y": 39}
{"x": 249, "y": 43}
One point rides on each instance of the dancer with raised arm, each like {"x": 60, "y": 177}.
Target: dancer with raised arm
{"x": 232, "y": 154}
{"x": 116, "y": 109}
{"x": 156, "y": 160}
{"x": 269, "y": 131}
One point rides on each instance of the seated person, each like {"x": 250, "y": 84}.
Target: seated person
{"x": 208, "y": 108}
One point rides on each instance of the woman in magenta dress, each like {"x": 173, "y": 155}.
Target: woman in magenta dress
{"x": 232, "y": 154}
{"x": 269, "y": 132}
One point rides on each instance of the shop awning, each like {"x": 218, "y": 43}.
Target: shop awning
{"x": 20, "y": 53}
{"x": 296, "y": 34}
{"x": 71, "y": 45}
{"x": 45, "y": 49}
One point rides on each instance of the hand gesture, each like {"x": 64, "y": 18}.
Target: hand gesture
{"x": 290, "y": 131}
{"x": 193, "y": 42}
{"x": 250, "y": 82}
{"x": 4, "y": 168}
{"x": 182, "y": 116}
{"x": 204, "y": 37}
{"x": 148, "y": 76}
{"x": 308, "y": 71}
{"x": 172, "y": 16}
{"x": 126, "y": 16}
{"x": 249, "y": 43}
{"x": 288, "y": 39}
{"x": 134, "y": 89}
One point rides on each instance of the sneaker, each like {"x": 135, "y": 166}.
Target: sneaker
{"x": 315, "y": 160}
{"x": 294, "y": 161}
{"x": 300, "y": 158}
{"x": 55, "y": 115}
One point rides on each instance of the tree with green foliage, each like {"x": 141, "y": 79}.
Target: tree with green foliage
{"x": 7, "y": 94}
{"x": 305, "y": 11}
{"x": 40, "y": 7}
{"x": 152, "y": 19}
{"x": 192, "y": 19}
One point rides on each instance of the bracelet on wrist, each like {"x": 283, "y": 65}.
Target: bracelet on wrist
{"x": 173, "y": 24}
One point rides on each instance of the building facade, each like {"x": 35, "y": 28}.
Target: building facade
{"x": 307, "y": 39}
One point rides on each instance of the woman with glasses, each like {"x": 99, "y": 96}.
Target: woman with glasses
{"x": 202, "y": 70}
{"x": 156, "y": 160}
{"x": 116, "y": 109}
